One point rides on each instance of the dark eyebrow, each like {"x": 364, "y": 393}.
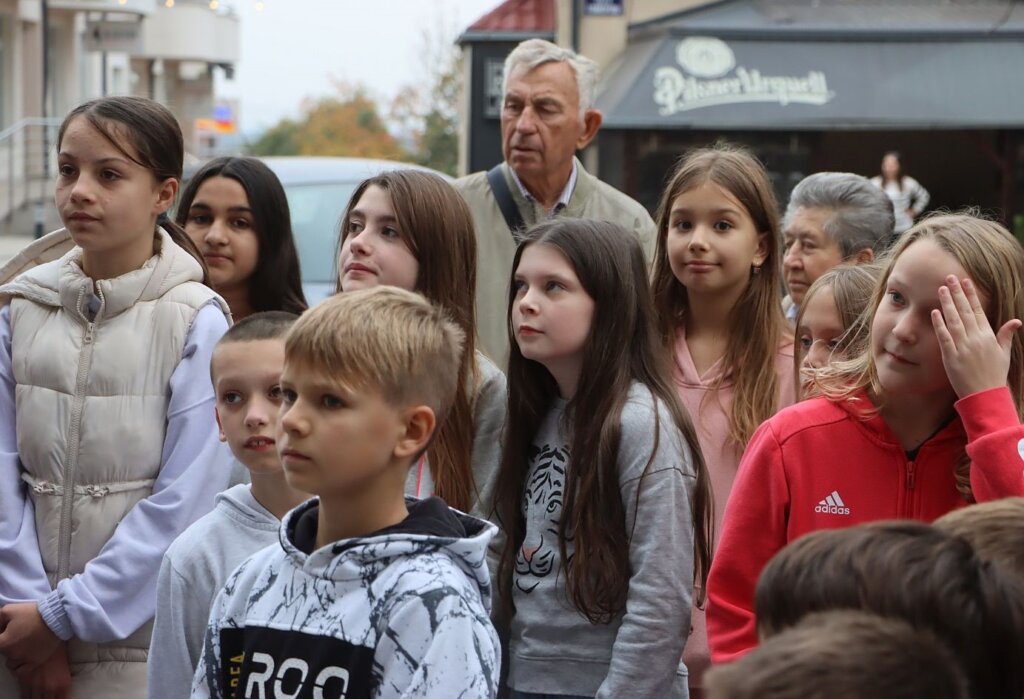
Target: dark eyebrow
{"x": 203, "y": 205}
{"x": 717, "y": 212}
{"x": 102, "y": 161}
{"x": 360, "y": 214}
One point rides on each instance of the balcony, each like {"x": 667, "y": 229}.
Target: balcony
{"x": 190, "y": 31}
{"x": 134, "y": 7}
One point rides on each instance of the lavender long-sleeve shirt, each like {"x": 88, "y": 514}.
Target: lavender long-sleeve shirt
{"x": 115, "y": 594}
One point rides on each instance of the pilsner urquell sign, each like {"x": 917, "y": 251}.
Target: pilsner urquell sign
{"x": 710, "y": 77}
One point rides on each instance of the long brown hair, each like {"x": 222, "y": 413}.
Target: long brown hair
{"x": 154, "y": 142}
{"x": 756, "y": 324}
{"x": 993, "y": 260}
{"x": 621, "y": 349}
{"x": 435, "y": 222}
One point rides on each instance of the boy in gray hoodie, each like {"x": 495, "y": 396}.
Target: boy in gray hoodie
{"x": 246, "y": 373}
{"x": 369, "y": 594}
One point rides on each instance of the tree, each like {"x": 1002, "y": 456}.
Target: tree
{"x": 438, "y": 143}
{"x": 278, "y": 140}
{"x": 430, "y": 117}
{"x": 347, "y": 124}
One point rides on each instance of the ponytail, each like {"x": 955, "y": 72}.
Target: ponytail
{"x": 181, "y": 239}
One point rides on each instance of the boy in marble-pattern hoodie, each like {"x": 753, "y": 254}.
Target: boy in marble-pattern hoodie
{"x": 369, "y": 594}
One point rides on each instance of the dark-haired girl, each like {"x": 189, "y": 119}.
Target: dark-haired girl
{"x": 236, "y": 212}
{"x": 602, "y": 491}
{"x": 107, "y": 446}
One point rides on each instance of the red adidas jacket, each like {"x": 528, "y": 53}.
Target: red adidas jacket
{"x": 824, "y": 465}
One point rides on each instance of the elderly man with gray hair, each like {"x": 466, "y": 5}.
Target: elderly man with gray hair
{"x": 547, "y": 115}
{"x": 832, "y": 217}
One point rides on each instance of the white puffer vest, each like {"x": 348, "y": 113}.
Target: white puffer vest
{"x": 92, "y": 397}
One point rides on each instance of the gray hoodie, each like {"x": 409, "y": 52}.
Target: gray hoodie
{"x": 401, "y": 612}
{"x": 194, "y": 569}
{"x": 553, "y": 648}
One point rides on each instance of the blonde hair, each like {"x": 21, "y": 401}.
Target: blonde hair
{"x": 851, "y": 286}
{"x": 383, "y": 339}
{"x": 756, "y": 324}
{"x": 994, "y": 261}
{"x": 994, "y": 529}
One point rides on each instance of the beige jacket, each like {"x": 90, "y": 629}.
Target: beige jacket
{"x": 495, "y": 247}
{"x": 109, "y": 436}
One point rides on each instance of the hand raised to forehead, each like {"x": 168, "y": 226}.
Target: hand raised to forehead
{"x": 975, "y": 357}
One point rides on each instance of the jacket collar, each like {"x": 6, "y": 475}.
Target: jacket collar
{"x": 866, "y": 413}
{"x": 168, "y": 267}
{"x": 581, "y": 193}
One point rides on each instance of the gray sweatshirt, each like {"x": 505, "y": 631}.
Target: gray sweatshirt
{"x": 553, "y": 648}
{"x": 489, "y": 407}
{"x": 194, "y": 569}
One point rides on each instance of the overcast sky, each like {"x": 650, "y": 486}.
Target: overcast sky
{"x": 292, "y": 49}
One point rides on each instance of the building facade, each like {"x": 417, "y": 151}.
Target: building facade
{"x": 166, "y": 50}
{"x": 808, "y": 85}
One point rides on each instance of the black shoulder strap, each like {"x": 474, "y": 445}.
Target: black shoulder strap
{"x": 496, "y": 178}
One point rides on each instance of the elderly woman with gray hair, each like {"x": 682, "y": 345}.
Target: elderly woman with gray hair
{"x": 832, "y": 217}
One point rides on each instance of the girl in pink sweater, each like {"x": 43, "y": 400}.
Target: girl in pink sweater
{"x": 716, "y": 286}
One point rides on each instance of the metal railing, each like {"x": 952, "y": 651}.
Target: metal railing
{"x": 25, "y": 147}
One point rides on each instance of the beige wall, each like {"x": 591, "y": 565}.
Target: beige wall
{"x": 604, "y": 38}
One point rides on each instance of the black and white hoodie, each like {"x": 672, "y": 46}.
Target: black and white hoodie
{"x": 402, "y": 612}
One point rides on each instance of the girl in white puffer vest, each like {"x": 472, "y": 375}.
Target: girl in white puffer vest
{"x": 108, "y": 447}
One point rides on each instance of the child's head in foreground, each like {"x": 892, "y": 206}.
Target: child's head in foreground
{"x": 843, "y": 655}
{"x": 995, "y": 529}
{"x": 246, "y": 373}
{"x": 911, "y": 571}
{"x": 368, "y": 376}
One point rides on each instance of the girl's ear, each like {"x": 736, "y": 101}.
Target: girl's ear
{"x": 761, "y": 254}
{"x": 166, "y": 192}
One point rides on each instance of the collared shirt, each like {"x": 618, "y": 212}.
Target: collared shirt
{"x": 563, "y": 199}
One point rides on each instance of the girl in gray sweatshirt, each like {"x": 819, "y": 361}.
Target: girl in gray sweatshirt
{"x": 602, "y": 492}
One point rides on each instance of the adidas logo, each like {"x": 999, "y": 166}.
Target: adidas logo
{"x": 832, "y": 505}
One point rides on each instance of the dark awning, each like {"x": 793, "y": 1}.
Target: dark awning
{"x": 692, "y": 74}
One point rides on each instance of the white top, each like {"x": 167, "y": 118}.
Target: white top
{"x": 910, "y": 196}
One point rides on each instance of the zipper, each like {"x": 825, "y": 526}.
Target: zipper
{"x": 74, "y": 440}
{"x": 910, "y": 475}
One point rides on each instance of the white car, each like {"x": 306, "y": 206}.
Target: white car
{"x": 318, "y": 191}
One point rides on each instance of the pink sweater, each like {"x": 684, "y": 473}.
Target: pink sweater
{"x": 710, "y": 415}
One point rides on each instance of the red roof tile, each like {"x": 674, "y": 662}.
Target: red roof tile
{"x": 518, "y": 16}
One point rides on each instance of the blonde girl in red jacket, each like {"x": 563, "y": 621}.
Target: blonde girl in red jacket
{"x": 716, "y": 289}
{"x": 926, "y": 420}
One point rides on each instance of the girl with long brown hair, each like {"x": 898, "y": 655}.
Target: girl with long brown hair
{"x": 602, "y": 492}
{"x": 411, "y": 229}
{"x": 716, "y": 291}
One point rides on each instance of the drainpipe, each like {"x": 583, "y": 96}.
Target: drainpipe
{"x": 576, "y": 25}
{"x": 40, "y": 209}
